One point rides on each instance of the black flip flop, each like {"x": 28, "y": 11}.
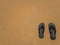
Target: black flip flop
{"x": 52, "y": 30}
{"x": 41, "y": 28}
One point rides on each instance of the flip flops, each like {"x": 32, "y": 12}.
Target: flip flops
{"x": 52, "y": 31}
{"x": 41, "y": 28}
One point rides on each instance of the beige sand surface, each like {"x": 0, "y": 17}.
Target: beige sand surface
{"x": 19, "y": 20}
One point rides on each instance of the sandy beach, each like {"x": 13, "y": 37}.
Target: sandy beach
{"x": 19, "y": 20}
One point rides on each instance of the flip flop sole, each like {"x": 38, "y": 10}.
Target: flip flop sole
{"x": 52, "y": 30}
{"x": 41, "y": 30}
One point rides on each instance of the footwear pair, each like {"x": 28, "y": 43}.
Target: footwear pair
{"x": 52, "y": 30}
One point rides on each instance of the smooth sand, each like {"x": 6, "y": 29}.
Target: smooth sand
{"x": 19, "y": 20}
